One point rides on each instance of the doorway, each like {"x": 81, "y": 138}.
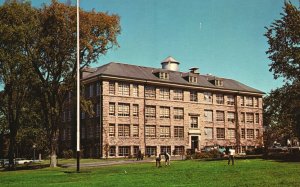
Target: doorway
{"x": 194, "y": 143}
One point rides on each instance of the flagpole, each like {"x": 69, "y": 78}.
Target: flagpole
{"x": 78, "y": 93}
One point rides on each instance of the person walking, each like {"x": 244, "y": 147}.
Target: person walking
{"x": 231, "y": 156}
{"x": 167, "y": 158}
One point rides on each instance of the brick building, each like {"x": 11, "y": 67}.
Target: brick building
{"x": 156, "y": 110}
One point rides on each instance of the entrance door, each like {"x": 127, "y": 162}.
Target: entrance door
{"x": 194, "y": 141}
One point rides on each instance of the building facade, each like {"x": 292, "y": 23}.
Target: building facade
{"x": 159, "y": 110}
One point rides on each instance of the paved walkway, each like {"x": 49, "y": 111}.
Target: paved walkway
{"x": 115, "y": 162}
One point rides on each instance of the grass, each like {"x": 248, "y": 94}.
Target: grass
{"x": 252, "y": 172}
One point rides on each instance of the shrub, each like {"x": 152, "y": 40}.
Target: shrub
{"x": 67, "y": 154}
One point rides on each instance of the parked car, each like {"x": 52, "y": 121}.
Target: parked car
{"x": 4, "y": 162}
{"x": 23, "y": 161}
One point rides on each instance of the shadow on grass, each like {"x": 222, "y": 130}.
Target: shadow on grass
{"x": 75, "y": 172}
{"x": 25, "y": 167}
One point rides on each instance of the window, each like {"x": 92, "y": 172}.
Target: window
{"x": 220, "y": 116}
{"x": 231, "y": 133}
{"x": 163, "y": 75}
{"x": 112, "y": 111}
{"x": 90, "y": 132}
{"x": 249, "y": 117}
{"x": 98, "y": 110}
{"x": 150, "y": 111}
{"x": 164, "y": 112}
{"x": 256, "y": 118}
{"x": 250, "y": 133}
{"x": 179, "y": 150}
{"x": 194, "y": 122}
{"x": 192, "y": 79}
{"x": 123, "y": 109}
{"x": 150, "y": 92}
{"x": 178, "y": 113}
{"x": 193, "y": 96}
{"x": 91, "y": 90}
{"x": 178, "y": 95}
{"x": 150, "y": 150}
{"x": 242, "y": 101}
{"x": 231, "y": 117}
{"x": 135, "y": 130}
{"x": 98, "y": 88}
{"x": 63, "y": 135}
{"x": 243, "y": 133}
{"x": 135, "y": 111}
{"x": 207, "y": 97}
{"x": 208, "y": 132}
{"x": 82, "y": 115}
{"x": 112, "y": 130}
{"x": 135, "y": 90}
{"x": 165, "y": 132}
{"x": 150, "y": 131}
{"x": 164, "y": 93}
{"x": 82, "y": 132}
{"x": 220, "y": 133}
{"x": 256, "y": 102}
{"x": 112, "y": 88}
{"x": 208, "y": 115}
{"x": 243, "y": 117}
{"x": 165, "y": 149}
{"x": 218, "y": 82}
{"x": 124, "y": 151}
{"x": 230, "y": 100}
{"x": 123, "y": 89}
{"x": 249, "y": 101}
{"x": 123, "y": 130}
{"x": 136, "y": 150}
{"x": 220, "y": 98}
{"x": 112, "y": 151}
{"x": 257, "y": 133}
{"x": 178, "y": 132}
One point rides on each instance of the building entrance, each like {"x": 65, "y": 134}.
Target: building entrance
{"x": 194, "y": 143}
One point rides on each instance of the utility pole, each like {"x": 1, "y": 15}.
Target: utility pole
{"x": 78, "y": 92}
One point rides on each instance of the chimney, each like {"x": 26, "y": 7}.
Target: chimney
{"x": 194, "y": 70}
{"x": 170, "y": 64}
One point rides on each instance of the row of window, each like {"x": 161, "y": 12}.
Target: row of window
{"x": 220, "y": 116}
{"x": 150, "y": 150}
{"x": 231, "y": 133}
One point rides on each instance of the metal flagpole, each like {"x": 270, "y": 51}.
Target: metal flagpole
{"x": 78, "y": 92}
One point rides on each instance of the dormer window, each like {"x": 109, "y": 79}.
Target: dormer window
{"x": 164, "y": 75}
{"x": 192, "y": 79}
{"x": 218, "y": 82}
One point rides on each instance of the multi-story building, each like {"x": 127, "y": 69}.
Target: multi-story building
{"x": 162, "y": 109}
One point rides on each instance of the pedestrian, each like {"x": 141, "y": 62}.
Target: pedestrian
{"x": 139, "y": 155}
{"x": 167, "y": 159}
{"x": 231, "y": 156}
{"x": 158, "y": 159}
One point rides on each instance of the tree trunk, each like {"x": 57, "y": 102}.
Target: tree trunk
{"x": 11, "y": 152}
{"x": 53, "y": 156}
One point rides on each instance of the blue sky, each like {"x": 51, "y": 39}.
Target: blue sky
{"x": 221, "y": 37}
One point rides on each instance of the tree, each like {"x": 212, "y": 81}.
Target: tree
{"x": 282, "y": 106}
{"x": 16, "y": 22}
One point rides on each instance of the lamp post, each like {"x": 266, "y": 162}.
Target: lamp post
{"x": 34, "y": 147}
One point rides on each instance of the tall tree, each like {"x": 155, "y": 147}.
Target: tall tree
{"x": 283, "y": 104}
{"x": 16, "y": 23}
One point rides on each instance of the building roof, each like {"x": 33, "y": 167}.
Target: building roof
{"x": 170, "y": 59}
{"x": 148, "y": 74}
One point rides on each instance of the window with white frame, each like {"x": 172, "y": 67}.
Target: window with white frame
{"x": 150, "y": 131}
{"x": 178, "y": 95}
{"x": 112, "y": 88}
{"x": 163, "y": 75}
{"x": 123, "y": 89}
{"x": 178, "y": 132}
{"x": 193, "y": 96}
{"x": 243, "y": 133}
{"x": 220, "y": 133}
{"x": 231, "y": 117}
{"x": 249, "y": 117}
{"x": 192, "y": 79}
{"x": 112, "y": 150}
{"x": 249, "y": 101}
{"x": 112, "y": 109}
{"x": 150, "y": 150}
{"x": 124, "y": 150}
{"x": 135, "y": 110}
{"x": 220, "y": 98}
{"x": 230, "y": 100}
{"x": 135, "y": 130}
{"x": 257, "y": 133}
{"x": 123, "y": 109}
{"x": 165, "y": 149}
{"x": 242, "y": 100}
{"x": 165, "y": 132}
{"x": 256, "y": 118}
{"x": 250, "y": 133}
{"x": 135, "y": 90}
{"x": 136, "y": 150}
{"x": 98, "y": 88}
{"x": 179, "y": 150}
{"x": 194, "y": 122}
{"x": 150, "y": 92}
{"x": 231, "y": 133}
{"x": 150, "y": 111}
{"x": 243, "y": 117}
{"x": 123, "y": 130}
{"x": 208, "y": 133}
{"x": 178, "y": 113}
{"x": 164, "y": 112}
{"x": 220, "y": 115}
{"x": 164, "y": 93}
{"x": 112, "y": 130}
{"x": 208, "y": 115}
{"x": 207, "y": 97}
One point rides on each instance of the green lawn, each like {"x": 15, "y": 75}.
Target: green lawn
{"x": 181, "y": 173}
